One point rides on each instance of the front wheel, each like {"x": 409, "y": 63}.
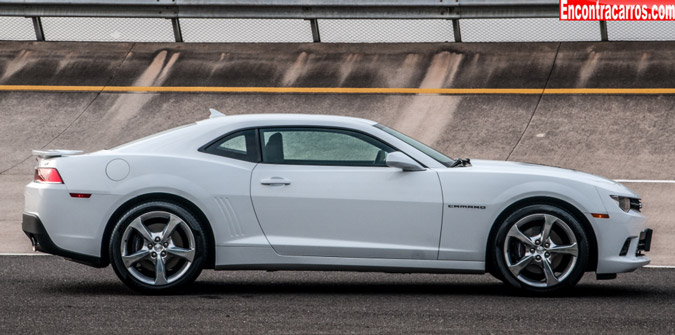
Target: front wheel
{"x": 158, "y": 247}
{"x": 541, "y": 249}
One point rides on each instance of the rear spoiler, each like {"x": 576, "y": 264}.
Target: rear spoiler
{"x": 55, "y": 153}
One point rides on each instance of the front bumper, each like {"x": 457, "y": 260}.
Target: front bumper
{"x": 41, "y": 241}
{"x": 621, "y": 238}
{"x": 621, "y": 242}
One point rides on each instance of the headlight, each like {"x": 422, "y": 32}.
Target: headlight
{"x": 626, "y": 203}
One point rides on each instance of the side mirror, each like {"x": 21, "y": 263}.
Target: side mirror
{"x": 400, "y": 160}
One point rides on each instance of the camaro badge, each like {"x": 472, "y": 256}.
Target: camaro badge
{"x": 467, "y": 206}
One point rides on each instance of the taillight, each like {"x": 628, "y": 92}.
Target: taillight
{"x": 47, "y": 175}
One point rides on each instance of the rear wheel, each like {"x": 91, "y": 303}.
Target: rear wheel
{"x": 541, "y": 249}
{"x": 158, "y": 247}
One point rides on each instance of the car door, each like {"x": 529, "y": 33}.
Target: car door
{"x": 328, "y": 192}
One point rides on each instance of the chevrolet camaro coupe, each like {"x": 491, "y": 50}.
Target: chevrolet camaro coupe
{"x": 303, "y": 192}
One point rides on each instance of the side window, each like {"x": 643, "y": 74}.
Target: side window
{"x": 322, "y": 146}
{"x": 242, "y": 145}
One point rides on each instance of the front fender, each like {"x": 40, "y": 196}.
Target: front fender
{"x": 582, "y": 196}
{"x": 466, "y": 228}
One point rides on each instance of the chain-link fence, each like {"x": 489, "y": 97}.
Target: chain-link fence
{"x": 107, "y": 29}
{"x": 246, "y": 30}
{"x": 641, "y": 30}
{"x": 16, "y": 28}
{"x": 327, "y": 30}
{"x": 528, "y": 30}
{"x": 385, "y": 31}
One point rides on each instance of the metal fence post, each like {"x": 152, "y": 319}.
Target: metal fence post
{"x": 315, "y": 30}
{"x": 455, "y": 29}
{"x": 37, "y": 25}
{"x": 603, "y": 31}
{"x": 177, "y": 33}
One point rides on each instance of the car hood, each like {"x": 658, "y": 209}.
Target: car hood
{"x": 549, "y": 171}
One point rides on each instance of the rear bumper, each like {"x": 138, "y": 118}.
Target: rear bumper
{"x": 41, "y": 241}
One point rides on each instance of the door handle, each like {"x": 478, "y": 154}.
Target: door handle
{"x": 275, "y": 181}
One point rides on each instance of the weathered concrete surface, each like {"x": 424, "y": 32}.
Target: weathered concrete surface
{"x": 614, "y": 65}
{"x": 115, "y": 118}
{"x": 346, "y": 65}
{"x": 33, "y": 121}
{"x": 60, "y": 63}
{"x": 12, "y": 238}
{"x": 659, "y": 209}
{"x": 618, "y": 136}
{"x": 11, "y": 197}
{"x": 306, "y": 65}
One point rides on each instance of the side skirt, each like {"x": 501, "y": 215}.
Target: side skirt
{"x": 264, "y": 258}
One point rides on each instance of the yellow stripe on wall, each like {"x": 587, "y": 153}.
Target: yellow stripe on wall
{"x": 333, "y": 90}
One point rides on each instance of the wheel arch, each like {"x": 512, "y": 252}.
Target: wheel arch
{"x": 542, "y": 200}
{"x": 158, "y": 196}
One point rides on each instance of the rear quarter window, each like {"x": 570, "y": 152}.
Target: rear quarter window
{"x": 241, "y": 145}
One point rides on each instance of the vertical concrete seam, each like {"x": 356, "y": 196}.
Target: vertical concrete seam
{"x": 83, "y": 110}
{"x": 541, "y": 96}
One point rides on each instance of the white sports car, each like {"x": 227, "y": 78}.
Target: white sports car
{"x": 301, "y": 192}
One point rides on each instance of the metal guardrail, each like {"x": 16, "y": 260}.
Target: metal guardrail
{"x": 283, "y": 9}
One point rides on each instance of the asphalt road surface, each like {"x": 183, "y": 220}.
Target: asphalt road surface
{"x": 45, "y": 294}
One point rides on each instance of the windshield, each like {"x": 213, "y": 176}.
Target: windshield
{"x": 441, "y": 158}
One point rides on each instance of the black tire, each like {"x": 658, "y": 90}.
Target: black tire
{"x": 528, "y": 262}
{"x": 158, "y": 261}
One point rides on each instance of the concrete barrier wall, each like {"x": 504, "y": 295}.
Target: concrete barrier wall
{"x": 620, "y": 136}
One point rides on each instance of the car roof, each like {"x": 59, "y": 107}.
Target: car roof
{"x": 271, "y": 118}
{"x": 214, "y": 126}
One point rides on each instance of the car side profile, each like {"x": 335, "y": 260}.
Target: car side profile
{"x": 307, "y": 192}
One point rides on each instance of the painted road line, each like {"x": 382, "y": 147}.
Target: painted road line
{"x": 58, "y": 88}
{"x": 609, "y": 91}
{"x": 216, "y": 89}
{"x": 335, "y": 90}
{"x": 330, "y": 90}
{"x": 660, "y": 266}
{"x": 23, "y": 254}
{"x": 645, "y": 181}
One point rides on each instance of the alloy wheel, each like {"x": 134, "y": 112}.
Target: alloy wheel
{"x": 158, "y": 248}
{"x": 541, "y": 250}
